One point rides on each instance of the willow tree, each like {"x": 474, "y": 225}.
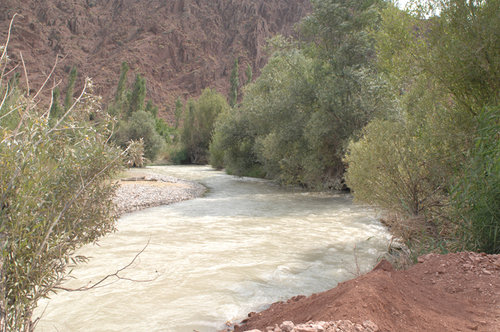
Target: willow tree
{"x": 311, "y": 97}
{"x": 55, "y": 196}
{"x": 444, "y": 73}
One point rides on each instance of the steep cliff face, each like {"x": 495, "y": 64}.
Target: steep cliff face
{"x": 181, "y": 46}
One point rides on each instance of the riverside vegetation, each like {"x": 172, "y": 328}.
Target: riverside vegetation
{"x": 54, "y": 193}
{"x": 402, "y": 107}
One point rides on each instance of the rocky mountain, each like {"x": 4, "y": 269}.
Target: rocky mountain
{"x": 180, "y": 46}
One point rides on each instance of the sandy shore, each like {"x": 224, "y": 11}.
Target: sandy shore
{"x": 143, "y": 188}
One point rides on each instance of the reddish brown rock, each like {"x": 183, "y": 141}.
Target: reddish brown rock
{"x": 180, "y": 46}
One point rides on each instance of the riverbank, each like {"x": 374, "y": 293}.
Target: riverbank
{"x": 144, "y": 188}
{"x": 454, "y": 292}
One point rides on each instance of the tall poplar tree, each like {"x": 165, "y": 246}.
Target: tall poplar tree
{"x": 68, "y": 100}
{"x": 235, "y": 83}
{"x": 138, "y": 95}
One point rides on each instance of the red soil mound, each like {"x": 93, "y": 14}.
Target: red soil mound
{"x": 454, "y": 292}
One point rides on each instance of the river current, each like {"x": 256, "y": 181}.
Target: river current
{"x": 245, "y": 244}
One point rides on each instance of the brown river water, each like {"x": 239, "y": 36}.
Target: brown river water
{"x": 245, "y": 244}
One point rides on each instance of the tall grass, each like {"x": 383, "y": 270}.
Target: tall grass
{"x": 476, "y": 197}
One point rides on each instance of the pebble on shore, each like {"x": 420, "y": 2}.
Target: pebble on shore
{"x": 338, "y": 326}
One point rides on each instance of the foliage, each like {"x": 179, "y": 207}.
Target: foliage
{"x": 151, "y": 108}
{"x": 122, "y": 83}
{"x": 164, "y": 130}
{"x": 234, "y": 81}
{"x": 135, "y": 153}
{"x": 462, "y": 52}
{"x": 296, "y": 118}
{"x": 199, "y": 122}
{"x": 68, "y": 99}
{"x": 138, "y": 120}
{"x": 56, "y": 111}
{"x": 390, "y": 167}
{"x": 140, "y": 125}
{"x": 249, "y": 74}
{"x": 137, "y": 96}
{"x": 444, "y": 74}
{"x": 54, "y": 197}
{"x": 178, "y": 112}
{"x": 477, "y": 195}
{"x": 232, "y": 144}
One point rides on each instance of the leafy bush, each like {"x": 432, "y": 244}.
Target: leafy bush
{"x": 476, "y": 197}
{"x": 232, "y": 144}
{"x": 141, "y": 125}
{"x": 135, "y": 154}
{"x": 199, "y": 122}
{"x": 55, "y": 196}
{"x": 295, "y": 120}
{"x": 138, "y": 118}
{"x": 410, "y": 159}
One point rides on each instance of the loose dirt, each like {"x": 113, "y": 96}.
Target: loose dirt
{"x": 454, "y": 292}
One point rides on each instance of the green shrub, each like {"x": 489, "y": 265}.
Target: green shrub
{"x": 141, "y": 125}
{"x": 387, "y": 168}
{"x": 199, "y": 122}
{"x": 476, "y": 197}
{"x": 55, "y": 196}
{"x": 135, "y": 154}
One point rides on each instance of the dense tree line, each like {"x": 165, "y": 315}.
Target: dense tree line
{"x": 436, "y": 155}
{"x": 407, "y": 102}
{"x": 315, "y": 93}
{"x": 138, "y": 119}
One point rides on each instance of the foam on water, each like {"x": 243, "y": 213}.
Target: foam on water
{"x": 244, "y": 245}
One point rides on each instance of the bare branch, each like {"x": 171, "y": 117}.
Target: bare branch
{"x": 4, "y": 53}
{"x": 116, "y": 275}
{"x": 10, "y": 71}
{"x": 3, "y": 100}
{"x": 48, "y": 77}
{"x": 70, "y": 109}
{"x": 25, "y": 75}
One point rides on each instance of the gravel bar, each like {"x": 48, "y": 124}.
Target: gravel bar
{"x": 144, "y": 189}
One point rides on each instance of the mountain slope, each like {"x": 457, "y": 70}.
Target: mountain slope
{"x": 181, "y": 46}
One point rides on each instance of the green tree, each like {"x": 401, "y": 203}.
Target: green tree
{"x": 151, "y": 108}
{"x": 249, "y": 74}
{"x": 137, "y": 96}
{"x": 55, "y": 196}
{"x": 122, "y": 83}
{"x": 141, "y": 125}
{"x": 476, "y": 196}
{"x": 178, "y": 111}
{"x": 199, "y": 122}
{"x": 68, "y": 99}
{"x": 462, "y": 52}
{"x": 311, "y": 97}
{"x": 444, "y": 74}
{"x": 56, "y": 111}
{"x": 234, "y": 81}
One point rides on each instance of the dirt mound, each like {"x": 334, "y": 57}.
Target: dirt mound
{"x": 338, "y": 326}
{"x": 454, "y": 292}
{"x": 181, "y": 46}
